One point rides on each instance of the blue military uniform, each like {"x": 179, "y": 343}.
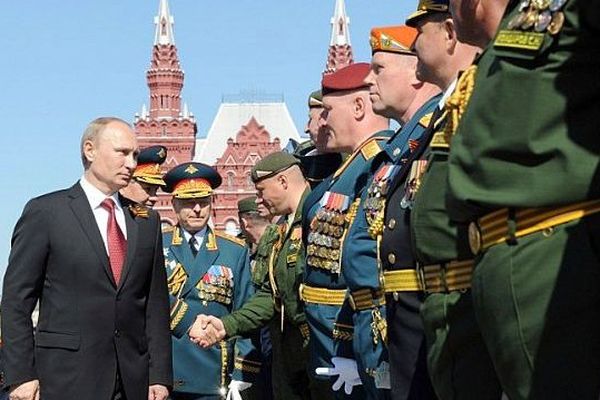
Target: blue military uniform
{"x": 324, "y": 222}
{"x": 215, "y": 281}
{"x": 361, "y": 270}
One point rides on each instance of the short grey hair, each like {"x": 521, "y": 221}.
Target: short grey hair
{"x": 93, "y": 130}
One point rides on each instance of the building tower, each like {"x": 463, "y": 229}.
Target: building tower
{"x": 340, "y": 49}
{"x": 166, "y": 122}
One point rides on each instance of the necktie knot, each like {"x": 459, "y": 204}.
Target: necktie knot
{"x": 108, "y": 204}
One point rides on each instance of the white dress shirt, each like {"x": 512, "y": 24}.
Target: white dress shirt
{"x": 447, "y": 93}
{"x": 95, "y": 198}
{"x": 198, "y": 235}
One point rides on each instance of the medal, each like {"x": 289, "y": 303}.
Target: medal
{"x": 543, "y": 21}
{"x": 558, "y": 19}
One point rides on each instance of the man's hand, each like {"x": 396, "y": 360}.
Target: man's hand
{"x": 157, "y": 392}
{"x": 25, "y": 391}
{"x": 207, "y": 330}
{"x": 348, "y": 374}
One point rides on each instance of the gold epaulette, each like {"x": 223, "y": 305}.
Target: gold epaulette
{"x": 370, "y": 149}
{"x": 426, "y": 119}
{"x": 233, "y": 239}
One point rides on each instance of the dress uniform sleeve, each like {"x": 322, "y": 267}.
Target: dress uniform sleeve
{"x": 247, "y": 357}
{"x": 157, "y": 319}
{"x": 181, "y": 317}
{"x": 22, "y": 287}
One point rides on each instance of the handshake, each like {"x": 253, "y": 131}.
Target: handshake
{"x": 207, "y": 330}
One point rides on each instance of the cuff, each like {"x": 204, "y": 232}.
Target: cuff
{"x": 181, "y": 318}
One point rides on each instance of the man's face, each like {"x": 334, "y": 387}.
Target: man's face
{"x": 192, "y": 214}
{"x": 430, "y": 47}
{"x": 112, "y": 156}
{"x": 252, "y": 230}
{"x": 271, "y": 194}
{"x": 391, "y": 83}
{"x": 262, "y": 210}
{"x": 335, "y": 121}
{"x": 141, "y": 192}
{"x": 312, "y": 128}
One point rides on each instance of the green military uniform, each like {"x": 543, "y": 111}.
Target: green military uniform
{"x": 277, "y": 302}
{"x": 458, "y": 361}
{"x": 524, "y": 172}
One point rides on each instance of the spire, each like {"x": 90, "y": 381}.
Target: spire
{"x": 340, "y": 35}
{"x": 164, "y": 25}
{"x": 340, "y": 49}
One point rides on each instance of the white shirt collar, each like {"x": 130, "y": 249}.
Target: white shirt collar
{"x": 198, "y": 235}
{"x": 95, "y": 196}
{"x": 447, "y": 93}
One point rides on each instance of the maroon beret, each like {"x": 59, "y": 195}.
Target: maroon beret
{"x": 351, "y": 77}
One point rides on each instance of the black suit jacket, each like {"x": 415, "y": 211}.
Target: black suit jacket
{"x": 88, "y": 326}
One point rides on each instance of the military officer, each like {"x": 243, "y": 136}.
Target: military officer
{"x": 147, "y": 177}
{"x": 459, "y": 364}
{"x": 360, "y": 133}
{"x": 523, "y": 172}
{"x": 283, "y": 189}
{"x": 208, "y": 273}
{"x": 362, "y": 245}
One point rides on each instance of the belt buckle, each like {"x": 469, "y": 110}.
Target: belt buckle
{"x": 475, "y": 241}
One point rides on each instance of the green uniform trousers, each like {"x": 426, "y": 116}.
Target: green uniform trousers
{"x": 458, "y": 361}
{"x": 291, "y": 379}
{"x": 537, "y": 302}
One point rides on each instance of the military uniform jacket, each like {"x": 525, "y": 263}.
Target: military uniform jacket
{"x": 260, "y": 260}
{"x": 215, "y": 282}
{"x": 435, "y": 238}
{"x": 529, "y": 136}
{"x": 360, "y": 267}
{"x": 279, "y": 291}
{"x": 327, "y": 211}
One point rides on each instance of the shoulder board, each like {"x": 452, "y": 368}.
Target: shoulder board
{"x": 233, "y": 239}
{"x": 167, "y": 229}
{"x": 425, "y": 120}
{"x": 370, "y": 149}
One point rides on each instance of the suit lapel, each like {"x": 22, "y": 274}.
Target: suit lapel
{"x": 81, "y": 208}
{"x": 205, "y": 258}
{"x": 132, "y": 234}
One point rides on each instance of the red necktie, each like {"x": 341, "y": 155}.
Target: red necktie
{"x": 117, "y": 245}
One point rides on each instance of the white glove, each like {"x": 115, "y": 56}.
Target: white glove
{"x": 235, "y": 387}
{"x": 346, "y": 369}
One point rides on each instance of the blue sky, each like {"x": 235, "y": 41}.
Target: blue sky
{"x": 67, "y": 62}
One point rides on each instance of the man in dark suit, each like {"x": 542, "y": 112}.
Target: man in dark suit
{"x": 97, "y": 269}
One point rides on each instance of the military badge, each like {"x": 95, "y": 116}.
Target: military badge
{"x": 526, "y": 29}
{"x": 216, "y": 285}
{"x": 375, "y": 202}
{"x": 411, "y": 187}
{"x": 326, "y": 231}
